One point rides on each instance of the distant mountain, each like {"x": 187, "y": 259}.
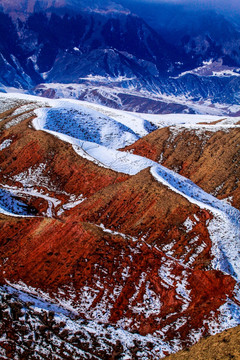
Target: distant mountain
{"x": 204, "y": 35}
{"x": 15, "y": 69}
{"x": 30, "y": 6}
{"x": 85, "y": 38}
{"x": 202, "y": 32}
{"x": 159, "y": 50}
{"x": 65, "y": 48}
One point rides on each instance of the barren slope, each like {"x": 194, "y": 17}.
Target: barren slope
{"x": 222, "y": 346}
{"x": 143, "y": 208}
{"x": 116, "y": 279}
{"x": 209, "y": 157}
{"x": 44, "y": 170}
{"x": 145, "y": 254}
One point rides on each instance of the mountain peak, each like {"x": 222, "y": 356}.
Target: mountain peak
{"x": 30, "y": 6}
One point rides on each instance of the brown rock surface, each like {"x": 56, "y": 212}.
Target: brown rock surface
{"x": 210, "y": 160}
{"x": 222, "y": 346}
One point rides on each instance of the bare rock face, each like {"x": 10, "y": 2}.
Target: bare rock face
{"x": 144, "y": 209}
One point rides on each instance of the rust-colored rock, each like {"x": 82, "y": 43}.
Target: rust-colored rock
{"x": 53, "y": 165}
{"x": 210, "y": 160}
{"x": 143, "y": 208}
{"x": 126, "y": 255}
{"x": 130, "y": 279}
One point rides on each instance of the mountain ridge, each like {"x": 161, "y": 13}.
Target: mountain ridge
{"x": 72, "y": 46}
{"x": 138, "y": 252}
{"x": 119, "y": 229}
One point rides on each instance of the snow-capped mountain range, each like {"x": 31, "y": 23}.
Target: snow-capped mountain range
{"x": 67, "y": 42}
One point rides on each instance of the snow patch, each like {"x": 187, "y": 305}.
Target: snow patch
{"x": 5, "y": 144}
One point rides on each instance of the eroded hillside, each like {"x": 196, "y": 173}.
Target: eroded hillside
{"x": 208, "y": 154}
{"x": 117, "y": 239}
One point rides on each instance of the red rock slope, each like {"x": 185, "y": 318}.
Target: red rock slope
{"x": 124, "y": 256}
{"x": 209, "y": 158}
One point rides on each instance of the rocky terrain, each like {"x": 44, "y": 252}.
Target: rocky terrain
{"x": 106, "y": 253}
{"x": 119, "y": 180}
{"x": 208, "y": 154}
{"x": 221, "y": 347}
{"x": 56, "y": 49}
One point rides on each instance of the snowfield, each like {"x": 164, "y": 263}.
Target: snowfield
{"x": 11, "y": 205}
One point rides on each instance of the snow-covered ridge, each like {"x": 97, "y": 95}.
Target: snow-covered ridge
{"x": 110, "y": 91}
{"x": 98, "y": 140}
{"x": 214, "y": 69}
{"x": 96, "y": 131}
{"x": 226, "y": 218}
